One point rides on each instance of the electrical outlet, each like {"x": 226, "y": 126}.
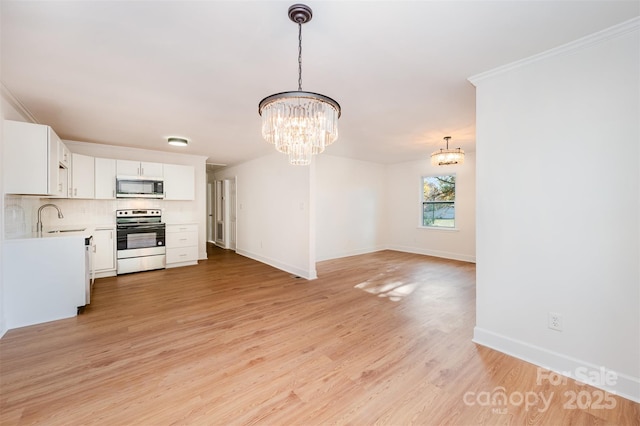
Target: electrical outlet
{"x": 555, "y": 321}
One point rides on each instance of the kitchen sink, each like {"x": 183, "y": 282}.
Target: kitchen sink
{"x": 55, "y": 231}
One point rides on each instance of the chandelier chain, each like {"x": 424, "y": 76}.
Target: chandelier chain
{"x": 299, "y": 56}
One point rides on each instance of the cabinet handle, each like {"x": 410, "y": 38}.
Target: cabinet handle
{"x": 141, "y": 171}
{"x": 183, "y": 239}
{"x": 113, "y": 193}
{"x": 75, "y": 191}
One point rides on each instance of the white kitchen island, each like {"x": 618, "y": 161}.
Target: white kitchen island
{"x": 44, "y": 278}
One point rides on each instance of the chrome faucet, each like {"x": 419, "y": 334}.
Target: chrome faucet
{"x": 39, "y": 223}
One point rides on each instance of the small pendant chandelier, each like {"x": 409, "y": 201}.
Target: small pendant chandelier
{"x": 299, "y": 123}
{"x": 447, "y": 156}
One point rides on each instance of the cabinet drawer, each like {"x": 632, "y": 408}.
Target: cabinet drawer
{"x": 182, "y": 254}
{"x": 182, "y": 228}
{"x": 182, "y": 239}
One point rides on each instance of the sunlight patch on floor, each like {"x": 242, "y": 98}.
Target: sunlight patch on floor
{"x": 395, "y": 291}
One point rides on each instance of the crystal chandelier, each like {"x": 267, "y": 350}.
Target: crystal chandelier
{"x": 447, "y": 156}
{"x": 299, "y": 123}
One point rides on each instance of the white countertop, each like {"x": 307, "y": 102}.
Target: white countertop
{"x": 67, "y": 231}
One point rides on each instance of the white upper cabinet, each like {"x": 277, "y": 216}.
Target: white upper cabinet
{"x": 82, "y": 176}
{"x": 64, "y": 163}
{"x": 64, "y": 155}
{"x": 30, "y": 158}
{"x": 137, "y": 168}
{"x": 63, "y": 182}
{"x": 128, "y": 168}
{"x": 179, "y": 182}
{"x": 152, "y": 169}
{"x": 105, "y": 173}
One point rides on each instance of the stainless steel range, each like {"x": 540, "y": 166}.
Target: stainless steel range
{"x": 141, "y": 240}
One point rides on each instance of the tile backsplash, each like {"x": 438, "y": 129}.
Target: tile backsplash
{"x": 20, "y": 212}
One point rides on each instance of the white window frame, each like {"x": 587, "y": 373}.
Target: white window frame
{"x": 421, "y": 204}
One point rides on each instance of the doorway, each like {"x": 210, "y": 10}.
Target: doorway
{"x": 224, "y": 215}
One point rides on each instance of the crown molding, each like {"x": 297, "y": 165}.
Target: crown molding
{"x": 581, "y": 43}
{"x": 16, "y": 104}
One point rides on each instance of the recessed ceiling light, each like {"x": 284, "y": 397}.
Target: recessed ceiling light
{"x": 178, "y": 141}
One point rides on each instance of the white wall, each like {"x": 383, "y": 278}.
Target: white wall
{"x": 275, "y": 213}
{"x": 10, "y": 109}
{"x": 360, "y": 207}
{"x": 102, "y": 211}
{"x": 3, "y": 324}
{"x": 558, "y": 207}
{"x": 403, "y": 202}
{"x": 351, "y": 213}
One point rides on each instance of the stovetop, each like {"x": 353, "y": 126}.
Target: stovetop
{"x": 138, "y": 216}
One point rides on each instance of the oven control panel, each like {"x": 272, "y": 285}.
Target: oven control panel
{"x": 138, "y": 213}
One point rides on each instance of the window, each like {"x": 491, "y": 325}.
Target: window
{"x": 438, "y": 201}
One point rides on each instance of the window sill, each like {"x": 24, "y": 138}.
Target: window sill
{"x": 436, "y": 228}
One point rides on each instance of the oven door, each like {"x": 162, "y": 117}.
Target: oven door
{"x": 140, "y": 236}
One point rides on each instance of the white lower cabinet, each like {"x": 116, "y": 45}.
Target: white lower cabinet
{"x": 104, "y": 259}
{"x": 44, "y": 279}
{"x": 182, "y": 245}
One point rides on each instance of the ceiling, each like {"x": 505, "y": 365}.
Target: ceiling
{"x": 132, "y": 73}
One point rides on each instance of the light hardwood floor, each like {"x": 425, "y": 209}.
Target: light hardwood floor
{"x": 382, "y": 338}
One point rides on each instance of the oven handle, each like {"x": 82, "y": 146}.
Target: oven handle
{"x": 138, "y": 226}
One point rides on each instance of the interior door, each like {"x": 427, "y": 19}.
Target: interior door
{"x": 232, "y": 214}
{"x": 210, "y": 202}
{"x": 219, "y": 213}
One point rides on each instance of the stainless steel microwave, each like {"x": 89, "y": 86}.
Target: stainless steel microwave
{"x": 139, "y": 187}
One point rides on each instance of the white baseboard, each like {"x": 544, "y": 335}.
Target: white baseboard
{"x": 435, "y": 253}
{"x": 625, "y": 386}
{"x": 351, "y": 253}
{"x": 105, "y": 274}
{"x": 310, "y": 274}
{"x": 405, "y": 249}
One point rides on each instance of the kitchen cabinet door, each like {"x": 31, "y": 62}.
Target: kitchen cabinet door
{"x": 137, "y": 168}
{"x": 30, "y": 159}
{"x": 179, "y": 182}
{"x": 64, "y": 155}
{"x": 151, "y": 169}
{"x": 104, "y": 250}
{"x": 127, "y": 168}
{"x": 63, "y": 182}
{"x": 105, "y": 179}
{"x": 82, "y": 176}
{"x": 182, "y": 245}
